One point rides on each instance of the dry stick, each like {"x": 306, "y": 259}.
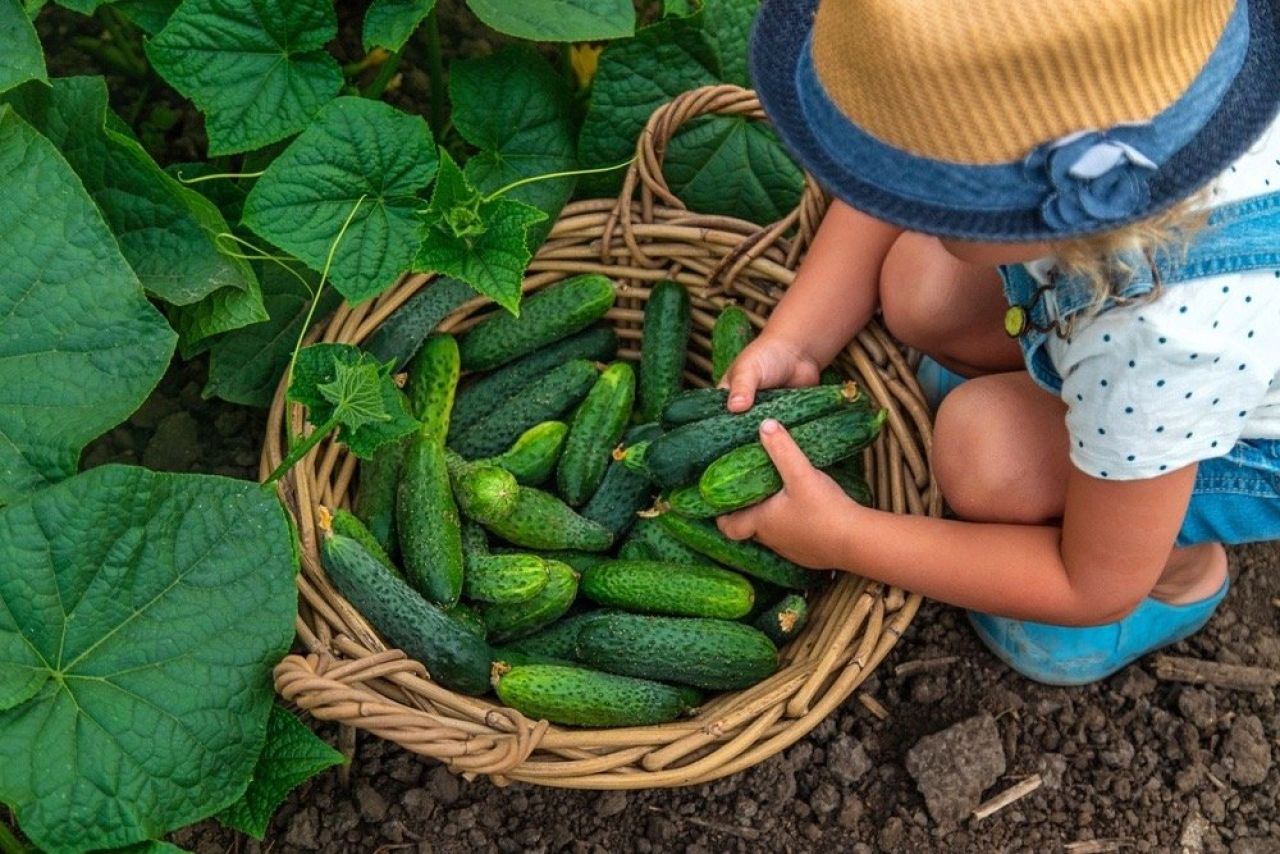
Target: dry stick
{"x": 1198, "y": 672}
{"x": 923, "y": 665}
{"x": 873, "y": 706}
{"x": 748, "y": 833}
{"x": 1013, "y": 793}
{"x": 1095, "y": 846}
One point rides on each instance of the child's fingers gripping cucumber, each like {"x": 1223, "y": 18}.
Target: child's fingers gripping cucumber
{"x": 665, "y": 340}
{"x": 655, "y": 587}
{"x": 730, "y": 335}
{"x": 697, "y": 404}
{"x": 597, "y": 428}
{"x": 745, "y": 556}
{"x": 582, "y": 697}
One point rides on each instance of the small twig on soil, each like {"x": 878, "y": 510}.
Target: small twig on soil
{"x": 1016, "y": 792}
{"x": 1214, "y": 780}
{"x": 1198, "y": 672}
{"x": 1275, "y": 601}
{"x": 748, "y": 833}
{"x": 383, "y": 849}
{"x": 873, "y": 706}
{"x": 1095, "y": 846}
{"x": 923, "y": 665}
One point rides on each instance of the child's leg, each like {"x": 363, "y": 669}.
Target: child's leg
{"x": 945, "y": 308}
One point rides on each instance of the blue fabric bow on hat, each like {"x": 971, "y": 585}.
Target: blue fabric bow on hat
{"x": 1092, "y": 177}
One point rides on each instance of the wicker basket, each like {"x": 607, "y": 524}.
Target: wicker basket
{"x": 349, "y": 675}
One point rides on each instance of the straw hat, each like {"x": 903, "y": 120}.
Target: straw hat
{"x": 1017, "y": 119}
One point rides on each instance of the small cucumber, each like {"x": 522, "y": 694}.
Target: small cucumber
{"x": 427, "y": 523}
{"x": 560, "y": 639}
{"x": 433, "y": 382}
{"x": 498, "y": 577}
{"x": 687, "y": 501}
{"x": 623, "y": 492}
{"x": 682, "y": 590}
{"x": 509, "y": 620}
{"x": 664, "y": 342}
{"x": 539, "y": 520}
{"x": 785, "y": 619}
{"x": 652, "y": 541}
{"x": 484, "y": 492}
{"x": 581, "y": 697}
{"x": 580, "y": 561}
{"x": 718, "y": 655}
{"x": 746, "y": 475}
{"x": 545, "y": 399}
{"x": 697, "y": 404}
{"x": 346, "y": 524}
{"x": 549, "y": 315}
{"x": 399, "y": 336}
{"x": 597, "y": 343}
{"x": 456, "y": 658}
{"x": 745, "y": 556}
{"x": 468, "y": 618}
{"x": 849, "y": 475}
{"x": 376, "y": 498}
{"x": 596, "y": 430}
{"x": 534, "y": 455}
{"x": 730, "y": 335}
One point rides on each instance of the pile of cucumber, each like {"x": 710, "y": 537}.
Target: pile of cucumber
{"x": 547, "y": 530}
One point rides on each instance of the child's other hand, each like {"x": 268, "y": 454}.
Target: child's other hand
{"x": 767, "y": 363}
{"x": 806, "y": 520}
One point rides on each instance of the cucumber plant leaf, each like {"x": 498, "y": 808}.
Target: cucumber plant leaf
{"x": 727, "y": 24}
{"x": 337, "y": 382}
{"x": 22, "y": 58}
{"x": 258, "y": 71}
{"x": 517, "y": 110}
{"x": 292, "y": 755}
{"x": 482, "y": 241}
{"x": 390, "y": 23}
{"x": 222, "y": 311}
{"x": 80, "y": 345}
{"x": 357, "y": 152}
{"x": 558, "y": 20}
{"x": 150, "y": 16}
{"x": 157, "y": 605}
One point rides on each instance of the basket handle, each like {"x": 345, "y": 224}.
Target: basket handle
{"x": 645, "y": 174}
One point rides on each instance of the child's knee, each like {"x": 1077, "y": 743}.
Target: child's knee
{"x": 916, "y": 290}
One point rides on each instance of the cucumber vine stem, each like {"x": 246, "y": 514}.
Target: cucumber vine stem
{"x": 435, "y": 69}
{"x": 10, "y": 844}
{"x": 547, "y": 176}
{"x": 218, "y": 176}
{"x": 301, "y": 449}
{"x": 385, "y": 73}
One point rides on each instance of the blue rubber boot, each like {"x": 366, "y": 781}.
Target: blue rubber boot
{"x": 936, "y": 381}
{"x": 1070, "y": 655}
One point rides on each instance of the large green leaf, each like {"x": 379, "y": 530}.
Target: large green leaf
{"x": 224, "y": 310}
{"x": 167, "y": 232}
{"x": 150, "y": 16}
{"x": 155, "y": 605}
{"x": 292, "y": 755}
{"x": 727, "y": 24}
{"x": 21, "y": 59}
{"x": 370, "y": 408}
{"x": 517, "y": 110}
{"x": 80, "y": 346}
{"x": 389, "y": 23}
{"x": 256, "y": 68}
{"x": 356, "y": 151}
{"x": 558, "y": 20}
{"x": 733, "y": 166}
{"x": 245, "y": 366}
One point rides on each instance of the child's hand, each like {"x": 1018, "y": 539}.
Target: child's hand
{"x": 806, "y": 521}
{"x": 767, "y": 363}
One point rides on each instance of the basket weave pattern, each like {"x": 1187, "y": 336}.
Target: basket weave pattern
{"x": 347, "y": 674}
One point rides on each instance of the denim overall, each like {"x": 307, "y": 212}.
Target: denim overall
{"x": 1236, "y": 498}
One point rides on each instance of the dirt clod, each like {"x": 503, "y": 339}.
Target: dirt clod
{"x": 847, "y": 759}
{"x": 953, "y": 767}
{"x": 1246, "y": 752}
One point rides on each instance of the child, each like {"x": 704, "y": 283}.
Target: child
{"x": 1124, "y": 417}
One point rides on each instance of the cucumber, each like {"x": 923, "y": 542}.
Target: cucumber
{"x": 456, "y": 658}
{"x": 652, "y": 541}
{"x": 399, "y": 336}
{"x": 718, "y": 655}
{"x": 539, "y": 520}
{"x": 623, "y": 492}
{"x": 548, "y": 315}
{"x": 509, "y": 620}
{"x": 560, "y": 639}
{"x": 633, "y": 457}
{"x": 433, "y": 383}
{"x": 655, "y": 587}
{"x": 582, "y": 697}
{"x": 745, "y": 556}
{"x": 730, "y": 335}
{"x": 687, "y": 501}
{"x": 545, "y": 399}
{"x": 785, "y": 619}
{"x": 697, "y": 404}
{"x": 506, "y": 657}
{"x": 468, "y": 618}
{"x": 346, "y": 524}
{"x": 664, "y": 342}
{"x": 678, "y": 457}
{"x": 427, "y": 523}
{"x": 580, "y": 561}
{"x": 746, "y": 475}
{"x": 498, "y": 577}
{"x": 597, "y": 343}
{"x": 484, "y": 492}
{"x": 376, "y": 498}
{"x": 831, "y": 376}
{"x": 848, "y": 474}
{"x": 634, "y": 550}
{"x": 596, "y": 430}
{"x": 534, "y": 455}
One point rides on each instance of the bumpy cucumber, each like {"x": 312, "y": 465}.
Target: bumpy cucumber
{"x": 718, "y": 655}
{"x": 348, "y": 525}
{"x": 400, "y": 335}
{"x": 468, "y": 618}
{"x": 664, "y": 342}
{"x": 697, "y": 404}
{"x": 730, "y": 335}
{"x": 830, "y": 376}
{"x": 560, "y": 639}
{"x": 580, "y": 561}
{"x": 545, "y": 399}
{"x": 746, "y": 475}
{"x": 509, "y": 620}
{"x": 648, "y": 539}
{"x": 539, "y": 520}
{"x": 433, "y": 383}
{"x": 849, "y": 475}
{"x": 582, "y": 697}
{"x": 456, "y": 658}
{"x": 785, "y": 619}
{"x": 553, "y": 313}
{"x": 498, "y": 577}
{"x": 427, "y": 523}
{"x": 687, "y": 501}
{"x": 633, "y": 457}
{"x": 534, "y": 455}
{"x": 623, "y": 492}
{"x": 682, "y": 590}
{"x": 506, "y": 657}
{"x": 597, "y": 343}
{"x": 745, "y": 556}
{"x": 678, "y": 457}
{"x": 376, "y": 498}
{"x": 483, "y": 492}
{"x": 596, "y": 430}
